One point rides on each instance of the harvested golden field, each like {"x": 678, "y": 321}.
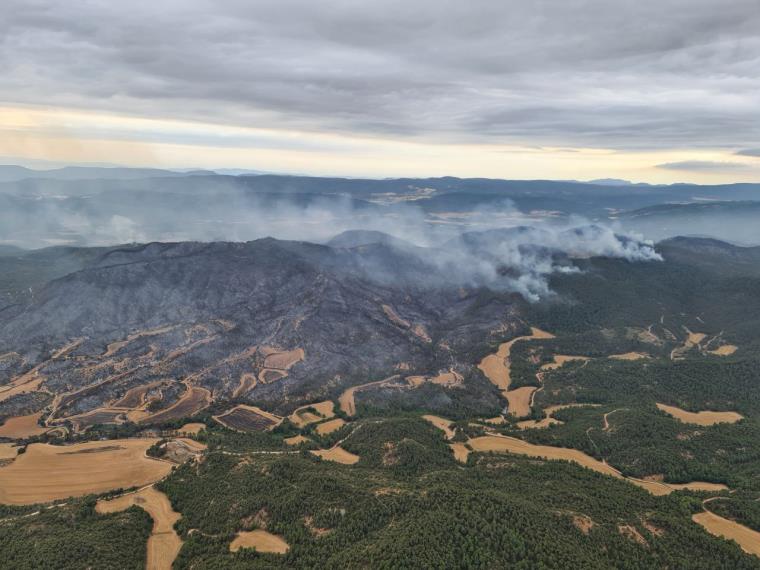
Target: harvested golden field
{"x": 659, "y": 488}
{"x": 519, "y": 401}
{"x": 301, "y": 417}
{"x": 347, "y": 399}
{"x": 163, "y": 544}
{"x": 694, "y": 339}
{"x": 330, "y": 426}
{"x": 698, "y": 486}
{"x": 261, "y": 540}
{"x": 296, "y": 440}
{"x": 506, "y": 444}
{"x": 348, "y": 402}
{"x": 538, "y": 334}
{"x": 22, "y": 426}
{"x": 192, "y": 428}
{"x": 746, "y": 538}
{"x": 248, "y": 381}
{"x": 496, "y": 368}
{"x": 448, "y": 379}
{"x": 337, "y": 454}
{"x": 656, "y": 488}
{"x": 284, "y": 360}
{"x": 561, "y": 359}
{"x": 7, "y": 451}
{"x": 269, "y": 375}
{"x": 629, "y": 356}
{"x": 497, "y": 421}
{"x": 725, "y": 350}
{"x": 704, "y": 418}
{"x": 48, "y": 472}
{"x": 460, "y": 451}
{"x": 441, "y": 423}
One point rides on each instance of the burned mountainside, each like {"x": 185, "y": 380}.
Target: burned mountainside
{"x": 160, "y": 331}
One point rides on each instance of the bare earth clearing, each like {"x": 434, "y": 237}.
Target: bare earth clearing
{"x": 725, "y": 350}
{"x": 629, "y": 356}
{"x": 192, "y": 428}
{"x": 561, "y": 359}
{"x": 284, "y": 360}
{"x": 512, "y": 445}
{"x": 519, "y": 400}
{"x": 22, "y": 426}
{"x": 337, "y": 454}
{"x": 261, "y": 540}
{"x": 164, "y": 544}
{"x": 704, "y": 418}
{"x": 461, "y": 452}
{"x": 47, "y": 473}
{"x": 296, "y": 440}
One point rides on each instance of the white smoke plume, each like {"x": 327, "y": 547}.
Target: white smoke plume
{"x": 498, "y": 247}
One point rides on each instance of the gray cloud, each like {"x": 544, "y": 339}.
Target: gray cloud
{"x": 704, "y": 166}
{"x": 624, "y": 74}
{"x": 749, "y": 152}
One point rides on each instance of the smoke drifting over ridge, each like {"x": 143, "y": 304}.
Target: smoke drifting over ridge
{"x": 498, "y": 246}
{"x": 518, "y": 259}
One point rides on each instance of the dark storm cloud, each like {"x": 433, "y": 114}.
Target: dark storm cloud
{"x": 622, "y": 74}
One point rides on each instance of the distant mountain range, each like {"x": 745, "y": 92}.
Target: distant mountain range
{"x": 99, "y": 205}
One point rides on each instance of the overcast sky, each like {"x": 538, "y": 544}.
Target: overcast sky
{"x": 658, "y": 90}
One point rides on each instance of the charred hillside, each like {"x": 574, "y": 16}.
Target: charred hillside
{"x": 162, "y": 330}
